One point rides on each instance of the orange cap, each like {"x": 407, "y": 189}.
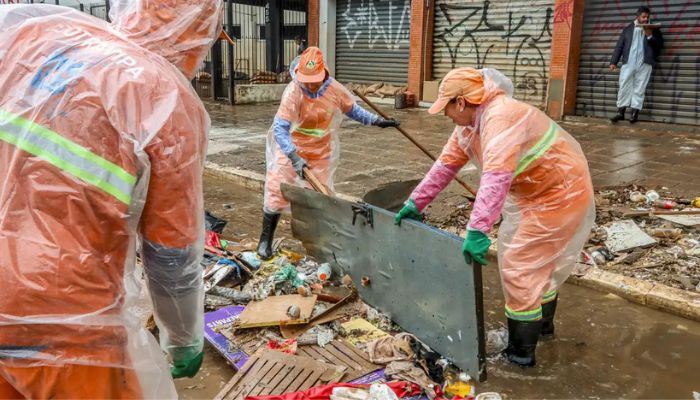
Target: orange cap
{"x": 311, "y": 68}
{"x": 466, "y": 82}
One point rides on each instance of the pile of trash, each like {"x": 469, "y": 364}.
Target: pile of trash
{"x": 646, "y": 234}
{"x": 380, "y": 89}
{"x": 639, "y": 232}
{"x": 289, "y": 324}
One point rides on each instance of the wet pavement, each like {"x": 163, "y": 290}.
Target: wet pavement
{"x": 604, "y": 346}
{"x": 650, "y": 154}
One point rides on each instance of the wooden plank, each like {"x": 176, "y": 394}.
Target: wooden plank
{"x": 273, "y": 311}
{"x": 254, "y": 381}
{"x": 295, "y": 386}
{"x": 236, "y": 378}
{"x": 276, "y": 381}
{"x": 354, "y": 353}
{"x": 311, "y": 381}
{"x": 287, "y": 381}
{"x": 273, "y": 372}
{"x": 243, "y": 383}
{"x": 345, "y": 360}
{"x": 263, "y": 387}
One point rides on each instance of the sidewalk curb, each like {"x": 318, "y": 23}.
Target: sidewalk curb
{"x": 654, "y": 295}
{"x": 661, "y": 297}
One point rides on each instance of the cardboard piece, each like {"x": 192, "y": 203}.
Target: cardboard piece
{"x": 685, "y": 220}
{"x": 360, "y": 331}
{"x": 337, "y": 311}
{"x": 625, "y": 235}
{"x": 340, "y": 352}
{"x": 273, "y": 311}
{"x": 219, "y": 318}
{"x": 273, "y": 373}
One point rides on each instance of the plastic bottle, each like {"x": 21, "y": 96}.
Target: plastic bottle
{"x": 665, "y": 204}
{"x": 652, "y": 196}
{"x": 324, "y": 272}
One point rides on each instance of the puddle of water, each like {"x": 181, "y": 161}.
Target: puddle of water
{"x": 604, "y": 347}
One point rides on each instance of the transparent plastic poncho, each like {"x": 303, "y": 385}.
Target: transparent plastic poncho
{"x": 102, "y": 146}
{"x": 536, "y": 176}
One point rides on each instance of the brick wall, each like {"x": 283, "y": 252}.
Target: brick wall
{"x": 313, "y": 22}
{"x": 420, "y": 42}
{"x": 564, "y": 61}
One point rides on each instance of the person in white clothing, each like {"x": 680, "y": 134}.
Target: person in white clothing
{"x": 638, "y": 49}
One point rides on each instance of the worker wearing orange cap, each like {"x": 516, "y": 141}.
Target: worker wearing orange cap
{"x": 305, "y": 133}
{"x": 102, "y": 145}
{"x": 535, "y": 175}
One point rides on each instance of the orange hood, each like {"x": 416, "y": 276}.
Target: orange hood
{"x": 182, "y": 31}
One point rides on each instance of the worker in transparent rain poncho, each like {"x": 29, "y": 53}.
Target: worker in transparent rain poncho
{"x": 305, "y": 134}
{"x": 535, "y": 175}
{"x": 102, "y": 146}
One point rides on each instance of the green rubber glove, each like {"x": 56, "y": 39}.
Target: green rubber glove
{"x": 409, "y": 210}
{"x": 475, "y": 246}
{"x": 187, "y": 367}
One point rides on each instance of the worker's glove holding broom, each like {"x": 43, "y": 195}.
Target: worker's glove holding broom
{"x": 298, "y": 163}
{"x": 385, "y": 123}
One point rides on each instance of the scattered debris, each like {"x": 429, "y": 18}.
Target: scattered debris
{"x": 685, "y": 220}
{"x": 360, "y": 332}
{"x": 391, "y": 348}
{"x": 273, "y": 311}
{"x": 625, "y": 235}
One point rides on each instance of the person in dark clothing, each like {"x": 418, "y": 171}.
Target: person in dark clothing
{"x": 301, "y": 44}
{"x": 638, "y": 49}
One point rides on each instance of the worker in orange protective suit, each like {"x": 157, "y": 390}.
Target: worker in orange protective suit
{"x": 305, "y": 133}
{"x": 102, "y": 145}
{"x": 532, "y": 172}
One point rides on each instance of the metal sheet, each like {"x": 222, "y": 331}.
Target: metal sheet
{"x": 513, "y": 36}
{"x": 673, "y": 93}
{"x": 417, "y": 273}
{"x": 372, "y": 41}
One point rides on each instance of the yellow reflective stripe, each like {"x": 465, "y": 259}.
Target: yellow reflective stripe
{"x": 530, "y": 315}
{"x": 63, "y": 165}
{"x": 311, "y": 131}
{"x": 67, "y": 144}
{"x": 66, "y": 155}
{"x": 538, "y": 149}
{"x": 549, "y": 296}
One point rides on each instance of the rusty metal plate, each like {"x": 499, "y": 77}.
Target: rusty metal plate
{"x": 417, "y": 273}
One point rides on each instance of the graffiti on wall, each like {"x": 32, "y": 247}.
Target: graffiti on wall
{"x": 384, "y": 23}
{"x": 517, "y": 42}
{"x": 672, "y": 93}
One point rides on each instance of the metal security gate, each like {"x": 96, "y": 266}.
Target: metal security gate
{"x": 673, "y": 93}
{"x": 372, "y": 41}
{"x": 512, "y": 36}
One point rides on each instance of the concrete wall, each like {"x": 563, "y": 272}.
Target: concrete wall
{"x": 326, "y": 29}
{"x": 249, "y": 94}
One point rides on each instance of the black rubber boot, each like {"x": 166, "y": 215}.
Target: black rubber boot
{"x": 548, "y": 310}
{"x": 268, "y": 233}
{"x": 620, "y": 116}
{"x": 635, "y": 116}
{"x": 522, "y": 341}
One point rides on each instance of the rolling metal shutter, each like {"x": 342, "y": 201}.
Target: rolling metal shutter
{"x": 673, "y": 92}
{"x": 512, "y": 36}
{"x": 372, "y": 41}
